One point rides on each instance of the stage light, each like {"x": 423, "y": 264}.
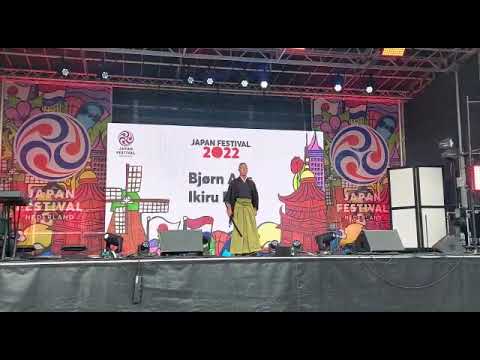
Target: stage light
{"x": 273, "y": 244}
{"x": 113, "y": 240}
{"x": 296, "y": 246}
{"x": 264, "y": 84}
{"x": 474, "y": 175}
{"x": 190, "y": 80}
{"x": 210, "y": 80}
{"x": 62, "y": 67}
{"x": 393, "y": 51}
{"x": 244, "y": 83}
{"x": 450, "y": 154}
{"x": 144, "y": 248}
{"x": 370, "y": 88}
{"x": 446, "y": 144}
{"x": 338, "y": 83}
{"x": 102, "y": 71}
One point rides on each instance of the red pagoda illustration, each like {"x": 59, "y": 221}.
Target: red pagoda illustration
{"x": 85, "y": 227}
{"x": 305, "y": 213}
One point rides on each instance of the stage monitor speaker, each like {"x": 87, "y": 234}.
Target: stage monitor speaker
{"x": 383, "y": 240}
{"x": 355, "y": 240}
{"x": 450, "y": 244}
{"x": 181, "y": 242}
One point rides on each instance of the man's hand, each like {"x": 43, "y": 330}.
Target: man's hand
{"x": 229, "y": 212}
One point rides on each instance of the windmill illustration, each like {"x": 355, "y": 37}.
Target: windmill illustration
{"x": 127, "y": 209}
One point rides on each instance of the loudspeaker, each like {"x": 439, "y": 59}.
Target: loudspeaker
{"x": 450, "y": 244}
{"x": 361, "y": 244}
{"x": 283, "y": 251}
{"x": 181, "y": 242}
{"x": 382, "y": 240}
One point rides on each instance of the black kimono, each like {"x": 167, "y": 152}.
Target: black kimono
{"x": 240, "y": 189}
{"x": 242, "y": 196}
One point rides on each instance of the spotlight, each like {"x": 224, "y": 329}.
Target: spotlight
{"x": 370, "y": 86}
{"x": 449, "y": 154}
{"x": 296, "y": 246}
{"x": 446, "y": 144}
{"x": 144, "y": 248}
{"x": 190, "y": 80}
{"x": 63, "y": 68}
{"x": 273, "y": 244}
{"x": 112, "y": 240}
{"x": 264, "y": 84}
{"x": 393, "y": 51}
{"x": 210, "y": 80}
{"x": 103, "y": 72}
{"x": 338, "y": 83}
{"x": 244, "y": 83}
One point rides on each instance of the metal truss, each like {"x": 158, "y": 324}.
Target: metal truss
{"x": 290, "y": 72}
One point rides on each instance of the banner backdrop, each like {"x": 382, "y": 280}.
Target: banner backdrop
{"x": 361, "y": 141}
{"x": 54, "y": 150}
{"x": 172, "y": 177}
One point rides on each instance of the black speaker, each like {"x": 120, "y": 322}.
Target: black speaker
{"x": 384, "y": 240}
{"x": 179, "y": 242}
{"x": 283, "y": 251}
{"x": 450, "y": 244}
{"x": 360, "y": 244}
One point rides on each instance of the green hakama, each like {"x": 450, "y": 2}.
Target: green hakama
{"x": 244, "y": 218}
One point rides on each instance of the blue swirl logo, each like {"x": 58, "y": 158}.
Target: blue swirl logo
{"x": 359, "y": 155}
{"x": 52, "y": 146}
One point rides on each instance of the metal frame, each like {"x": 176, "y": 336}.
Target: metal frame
{"x": 471, "y": 199}
{"x": 291, "y": 72}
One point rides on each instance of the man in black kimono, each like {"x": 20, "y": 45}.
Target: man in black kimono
{"x": 241, "y": 200}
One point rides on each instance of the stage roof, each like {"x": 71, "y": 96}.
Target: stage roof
{"x": 296, "y": 72}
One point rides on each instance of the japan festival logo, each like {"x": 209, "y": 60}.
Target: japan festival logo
{"x": 359, "y": 155}
{"x": 125, "y": 138}
{"x": 52, "y": 146}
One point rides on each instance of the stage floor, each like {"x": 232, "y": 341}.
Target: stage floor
{"x": 413, "y": 282}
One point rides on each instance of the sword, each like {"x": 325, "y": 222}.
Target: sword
{"x": 235, "y": 225}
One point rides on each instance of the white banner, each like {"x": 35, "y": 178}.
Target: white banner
{"x": 190, "y": 167}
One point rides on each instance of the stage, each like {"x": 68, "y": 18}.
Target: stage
{"x": 413, "y": 282}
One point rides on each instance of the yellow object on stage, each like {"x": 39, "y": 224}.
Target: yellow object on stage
{"x": 244, "y": 218}
{"x": 352, "y": 232}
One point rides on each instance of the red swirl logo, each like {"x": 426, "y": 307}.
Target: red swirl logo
{"x": 52, "y": 146}
{"x": 359, "y": 155}
{"x": 125, "y": 138}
